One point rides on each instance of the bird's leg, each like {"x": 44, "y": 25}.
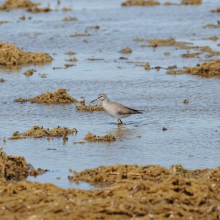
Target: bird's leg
{"x": 119, "y": 122}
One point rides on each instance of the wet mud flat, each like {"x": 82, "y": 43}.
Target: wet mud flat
{"x": 169, "y": 71}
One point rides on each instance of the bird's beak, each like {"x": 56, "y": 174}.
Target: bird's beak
{"x": 94, "y": 100}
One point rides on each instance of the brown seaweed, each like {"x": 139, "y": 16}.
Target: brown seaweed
{"x": 16, "y": 167}
{"x": 39, "y": 132}
{"x": 91, "y": 137}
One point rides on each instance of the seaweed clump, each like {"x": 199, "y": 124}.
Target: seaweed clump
{"x": 212, "y": 25}
{"x": 10, "y": 55}
{"x": 39, "y": 132}
{"x": 37, "y": 10}
{"x": 30, "y": 6}
{"x": 16, "y": 168}
{"x": 216, "y": 10}
{"x": 191, "y": 2}
{"x": 115, "y": 173}
{"x": 89, "y": 108}
{"x": 15, "y": 4}
{"x": 166, "y": 42}
{"x": 184, "y": 45}
{"x": 126, "y": 50}
{"x": 210, "y": 69}
{"x": 134, "y": 192}
{"x": 91, "y": 137}
{"x": 140, "y": 3}
{"x": 30, "y": 72}
{"x": 59, "y": 96}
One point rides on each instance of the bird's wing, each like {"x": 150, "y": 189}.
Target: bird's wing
{"x": 124, "y": 109}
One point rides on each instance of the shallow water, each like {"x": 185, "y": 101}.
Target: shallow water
{"x": 192, "y": 138}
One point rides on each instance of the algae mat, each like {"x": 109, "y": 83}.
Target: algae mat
{"x": 16, "y": 168}
{"x": 179, "y": 194}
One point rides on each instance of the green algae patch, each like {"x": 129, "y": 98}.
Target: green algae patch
{"x": 140, "y": 3}
{"x": 92, "y": 138}
{"x": 10, "y": 55}
{"x": 90, "y": 108}
{"x": 39, "y": 132}
{"x": 16, "y": 167}
{"x": 58, "y": 97}
{"x": 16, "y": 4}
